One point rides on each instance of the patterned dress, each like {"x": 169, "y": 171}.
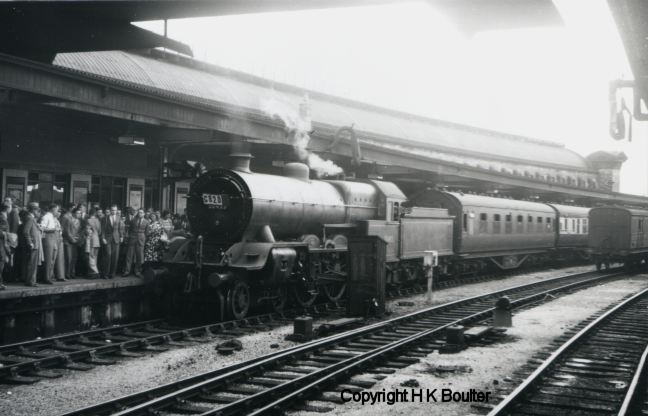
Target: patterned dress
{"x": 153, "y": 247}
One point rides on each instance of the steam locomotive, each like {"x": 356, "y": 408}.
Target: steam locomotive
{"x": 260, "y": 238}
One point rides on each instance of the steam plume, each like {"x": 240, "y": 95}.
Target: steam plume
{"x": 298, "y": 127}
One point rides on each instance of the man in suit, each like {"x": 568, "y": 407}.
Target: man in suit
{"x": 12, "y": 217}
{"x": 71, "y": 240}
{"x": 112, "y": 235}
{"x": 136, "y": 240}
{"x": 5, "y": 250}
{"x": 29, "y": 240}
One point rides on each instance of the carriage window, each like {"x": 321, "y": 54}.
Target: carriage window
{"x": 530, "y": 218}
{"x": 465, "y": 222}
{"x": 508, "y": 217}
{"x": 519, "y": 228}
{"x": 585, "y": 226}
{"x": 548, "y": 221}
{"x": 396, "y": 212}
{"x": 562, "y": 224}
{"x": 497, "y": 223}
{"x": 539, "y": 220}
{"x": 508, "y": 227}
{"x": 483, "y": 223}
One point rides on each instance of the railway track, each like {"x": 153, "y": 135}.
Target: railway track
{"x": 32, "y": 361}
{"x": 287, "y": 378}
{"x": 600, "y": 370}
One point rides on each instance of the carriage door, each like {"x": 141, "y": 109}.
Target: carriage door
{"x": 468, "y": 222}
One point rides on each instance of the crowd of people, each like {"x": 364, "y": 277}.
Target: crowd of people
{"x": 51, "y": 244}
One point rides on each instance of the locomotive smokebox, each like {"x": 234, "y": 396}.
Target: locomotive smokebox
{"x": 297, "y": 170}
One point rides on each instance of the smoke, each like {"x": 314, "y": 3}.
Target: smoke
{"x": 298, "y": 127}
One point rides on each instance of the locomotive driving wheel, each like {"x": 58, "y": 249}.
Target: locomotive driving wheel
{"x": 303, "y": 294}
{"x": 279, "y": 302}
{"x": 334, "y": 289}
{"x": 238, "y": 300}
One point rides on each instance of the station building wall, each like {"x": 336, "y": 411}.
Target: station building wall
{"x": 67, "y": 158}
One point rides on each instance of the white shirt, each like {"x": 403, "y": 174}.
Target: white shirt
{"x": 49, "y": 223}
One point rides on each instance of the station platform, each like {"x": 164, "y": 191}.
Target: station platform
{"x": 19, "y": 290}
{"x": 73, "y": 305}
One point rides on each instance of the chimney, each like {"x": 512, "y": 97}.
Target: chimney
{"x": 240, "y": 157}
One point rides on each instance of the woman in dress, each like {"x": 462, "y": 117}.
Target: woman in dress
{"x": 153, "y": 247}
{"x": 167, "y": 223}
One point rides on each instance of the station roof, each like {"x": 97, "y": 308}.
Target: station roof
{"x": 186, "y": 79}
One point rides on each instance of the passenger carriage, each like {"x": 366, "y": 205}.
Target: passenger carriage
{"x": 618, "y": 234}
{"x": 504, "y": 232}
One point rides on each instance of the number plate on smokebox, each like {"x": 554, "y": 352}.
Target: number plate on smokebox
{"x": 215, "y": 200}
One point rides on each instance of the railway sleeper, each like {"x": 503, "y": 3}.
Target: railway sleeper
{"x": 597, "y": 366}
{"x": 340, "y": 353}
{"x": 297, "y": 369}
{"x": 146, "y": 346}
{"x": 357, "y": 347}
{"x": 310, "y": 363}
{"x": 313, "y": 407}
{"x": 330, "y": 396}
{"x": 282, "y": 375}
{"x": 154, "y": 329}
{"x": 585, "y": 358}
{"x": 187, "y": 337}
{"x": 220, "y": 397}
{"x": 169, "y": 341}
{"x": 380, "y": 370}
{"x": 592, "y": 373}
{"x": 16, "y": 378}
{"x": 189, "y": 407}
{"x": 124, "y": 352}
{"x": 580, "y": 393}
{"x": 547, "y": 410}
{"x": 570, "y": 403}
{"x": 58, "y": 345}
{"x": 23, "y": 352}
{"x": 42, "y": 373}
{"x": 121, "y": 338}
{"x": 265, "y": 381}
{"x": 96, "y": 360}
{"x": 394, "y": 364}
{"x": 368, "y": 342}
{"x": 387, "y": 336}
{"x": 248, "y": 389}
{"x": 5, "y": 360}
{"x": 72, "y": 365}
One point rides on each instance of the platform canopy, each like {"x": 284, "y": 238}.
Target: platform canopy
{"x": 40, "y": 29}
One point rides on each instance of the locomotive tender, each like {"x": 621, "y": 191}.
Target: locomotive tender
{"x": 260, "y": 237}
